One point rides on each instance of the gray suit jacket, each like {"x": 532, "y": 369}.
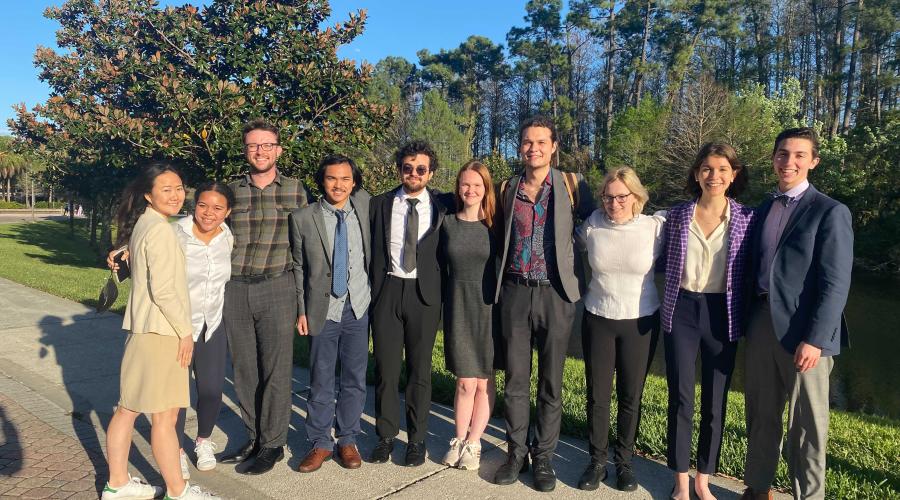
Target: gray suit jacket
{"x": 568, "y": 267}
{"x": 311, "y": 249}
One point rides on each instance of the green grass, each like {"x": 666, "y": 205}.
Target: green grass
{"x": 863, "y": 451}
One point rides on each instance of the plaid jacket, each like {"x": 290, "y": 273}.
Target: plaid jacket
{"x": 739, "y": 231}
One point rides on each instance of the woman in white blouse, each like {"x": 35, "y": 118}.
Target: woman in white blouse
{"x": 206, "y": 242}
{"x": 621, "y": 318}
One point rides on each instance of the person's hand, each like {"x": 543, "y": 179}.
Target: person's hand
{"x": 112, "y": 254}
{"x": 806, "y": 357}
{"x": 185, "y": 350}
{"x": 302, "y": 327}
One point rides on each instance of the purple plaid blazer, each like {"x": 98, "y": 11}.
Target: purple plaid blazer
{"x": 739, "y": 231}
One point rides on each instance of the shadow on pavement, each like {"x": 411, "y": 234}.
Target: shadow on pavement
{"x": 11, "y": 450}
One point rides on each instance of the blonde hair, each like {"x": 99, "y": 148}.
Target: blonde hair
{"x": 488, "y": 203}
{"x": 627, "y": 176}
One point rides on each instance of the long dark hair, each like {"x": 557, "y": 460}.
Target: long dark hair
{"x": 722, "y": 150}
{"x": 133, "y": 202}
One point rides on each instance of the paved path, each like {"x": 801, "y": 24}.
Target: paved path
{"x": 59, "y": 369}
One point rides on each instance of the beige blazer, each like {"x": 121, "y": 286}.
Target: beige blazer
{"x": 159, "y": 301}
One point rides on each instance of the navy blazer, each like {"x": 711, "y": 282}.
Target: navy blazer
{"x": 809, "y": 279}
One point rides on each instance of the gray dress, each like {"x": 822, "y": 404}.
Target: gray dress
{"x": 468, "y": 259}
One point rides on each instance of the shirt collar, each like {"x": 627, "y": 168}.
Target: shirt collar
{"x": 423, "y": 197}
{"x": 328, "y": 207}
{"x": 247, "y": 181}
{"x": 796, "y": 191}
{"x": 186, "y": 225}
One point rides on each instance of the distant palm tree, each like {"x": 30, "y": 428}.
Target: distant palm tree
{"x": 11, "y": 165}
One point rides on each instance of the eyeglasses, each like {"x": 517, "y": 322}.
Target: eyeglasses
{"x": 619, "y": 198}
{"x": 420, "y": 170}
{"x": 266, "y": 146}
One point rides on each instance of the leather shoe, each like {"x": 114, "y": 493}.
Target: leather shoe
{"x": 265, "y": 460}
{"x": 544, "y": 475}
{"x": 314, "y": 459}
{"x": 348, "y": 456}
{"x": 593, "y": 476}
{"x": 508, "y": 473}
{"x": 750, "y": 494}
{"x": 415, "y": 454}
{"x": 625, "y": 480}
{"x": 244, "y": 453}
{"x": 382, "y": 451}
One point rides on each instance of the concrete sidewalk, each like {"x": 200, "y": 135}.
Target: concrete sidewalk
{"x": 59, "y": 370}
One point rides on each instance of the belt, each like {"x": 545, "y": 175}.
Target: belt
{"x": 257, "y": 278}
{"x": 521, "y": 280}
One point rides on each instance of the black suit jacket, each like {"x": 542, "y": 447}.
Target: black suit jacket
{"x": 428, "y": 271}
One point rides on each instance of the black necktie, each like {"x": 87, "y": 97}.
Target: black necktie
{"x": 411, "y": 236}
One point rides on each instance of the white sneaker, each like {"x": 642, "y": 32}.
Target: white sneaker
{"x": 452, "y": 456}
{"x": 135, "y": 489}
{"x": 193, "y": 493}
{"x": 470, "y": 456}
{"x": 185, "y": 471}
{"x": 206, "y": 459}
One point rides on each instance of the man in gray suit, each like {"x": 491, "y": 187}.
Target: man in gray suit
{"x": 802, "y": 257}
{"x": 540, "y": 280}
{"x": 330, "y": 248}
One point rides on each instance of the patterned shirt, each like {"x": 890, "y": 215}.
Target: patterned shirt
{"x": 260, "y": 226}
{"x": 531, "y": 242}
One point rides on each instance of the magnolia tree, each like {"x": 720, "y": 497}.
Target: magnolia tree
{"x": 131, "y": 81}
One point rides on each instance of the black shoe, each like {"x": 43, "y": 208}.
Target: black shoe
{"x": 544, "y": 476}
{"x": 265, "y": 460}
{"x": 508, "y": 473}
{"x": 244, "y": 453}
{"x": 593, "y": 476}
{"x": 415, "y": 454}
{"x": 382, "y": 451}
{"x": 626, "y": 480}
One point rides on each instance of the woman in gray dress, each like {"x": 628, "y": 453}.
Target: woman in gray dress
{"x": 468, "y": 260}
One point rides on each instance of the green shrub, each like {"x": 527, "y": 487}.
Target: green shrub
{"x": 10, "y": 204}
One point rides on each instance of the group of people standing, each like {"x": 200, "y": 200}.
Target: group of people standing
{"x": 502, "y": 266}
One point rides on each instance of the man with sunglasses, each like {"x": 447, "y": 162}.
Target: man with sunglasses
{"x": 406, "y": 298}
{"x": 260, "y": 299}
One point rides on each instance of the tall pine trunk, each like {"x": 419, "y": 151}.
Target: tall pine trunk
{"x": 837, "y": 66}
{"x": 851, "y": 74}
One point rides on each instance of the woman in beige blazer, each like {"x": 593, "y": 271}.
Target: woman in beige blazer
{"x": 154, "y": 376}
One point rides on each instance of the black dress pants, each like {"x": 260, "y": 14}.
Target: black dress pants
{"x": 624, "y": 347}
{"x": 699, "y": 324}
{"x": 534, "y": 316}
{"x": 401, "y": 321}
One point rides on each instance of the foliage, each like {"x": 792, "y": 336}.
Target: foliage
{"x": 443, "y": 128}
{"x": 11, "y": 205}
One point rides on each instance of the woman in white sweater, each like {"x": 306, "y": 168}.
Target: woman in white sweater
{"x": 621, "y": 318}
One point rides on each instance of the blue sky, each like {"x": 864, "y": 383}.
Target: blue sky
{"x": 394, "y": 27}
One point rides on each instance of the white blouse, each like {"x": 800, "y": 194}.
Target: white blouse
{"x": 706, "y": 258}
{"x": 208, "y": 269}
{"x": 622, "y": 258}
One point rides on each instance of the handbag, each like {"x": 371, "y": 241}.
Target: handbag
{"x": 109, "y": 292}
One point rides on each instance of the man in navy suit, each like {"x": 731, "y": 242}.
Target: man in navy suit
{"x": 802, "y": 259}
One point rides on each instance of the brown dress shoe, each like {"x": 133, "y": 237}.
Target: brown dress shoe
{"x": 314, "y": 459}
{"x": 749, "y": 494}
{"x": 348, "y": 456}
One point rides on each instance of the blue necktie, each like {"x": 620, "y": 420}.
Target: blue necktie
{"x": 339, "y": 257}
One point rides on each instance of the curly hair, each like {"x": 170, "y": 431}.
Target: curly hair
{"x": 413, "y": 148}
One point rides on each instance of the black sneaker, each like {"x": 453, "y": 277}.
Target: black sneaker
{"x": 415, "y": 454}
{"x": 508, "y": 473}
{"x": 626, "y": 481}
{"x": 593, "y": 476}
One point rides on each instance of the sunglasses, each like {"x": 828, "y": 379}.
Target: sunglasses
{"x": 409, "y": 169}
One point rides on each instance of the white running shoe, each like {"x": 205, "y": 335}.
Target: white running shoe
{"x": 135, "y": 489}
{"x": 206, "y": 459}
{"x": 452, "y": 456}
{"x": 470, "y": 456}
{"x": 193, "y": 493}
{"x": 185, "y": 470}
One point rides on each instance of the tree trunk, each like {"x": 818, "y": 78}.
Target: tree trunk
{"x": 837, "y": 66}
{"x": 639, "y": 77}
{"x": 817, "y": 24}
{"x": 8, "y": 189}
{"x": 610, "y": 69}
{"x": 92, "y": 210}
{"x": 851, "y": 74}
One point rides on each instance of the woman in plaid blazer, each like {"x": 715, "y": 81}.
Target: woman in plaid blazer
{"x": 706, "y": 252}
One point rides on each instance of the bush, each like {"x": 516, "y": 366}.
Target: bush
{"x": 47, "y": 204}
{"x": 10, "y": 204}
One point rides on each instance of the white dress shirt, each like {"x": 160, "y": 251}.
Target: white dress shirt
{"x": 622, "y": 258}
{"x": 399, "y": 210}
{"x": 706, "y": 259}
{"x": 208, "y": 268}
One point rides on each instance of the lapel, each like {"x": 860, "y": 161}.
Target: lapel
{"x": 319, "y": 221}
{"x": 386, "y": 207}
{"x": 508, "y": 201}
{"x": 437, "y": 210}
{"x": 802, "y": 207}
{"x": 561, "y": 205}
{"x": 360, "y": 206}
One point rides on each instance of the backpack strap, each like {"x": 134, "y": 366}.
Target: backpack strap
{"x": 571, "y": 182}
